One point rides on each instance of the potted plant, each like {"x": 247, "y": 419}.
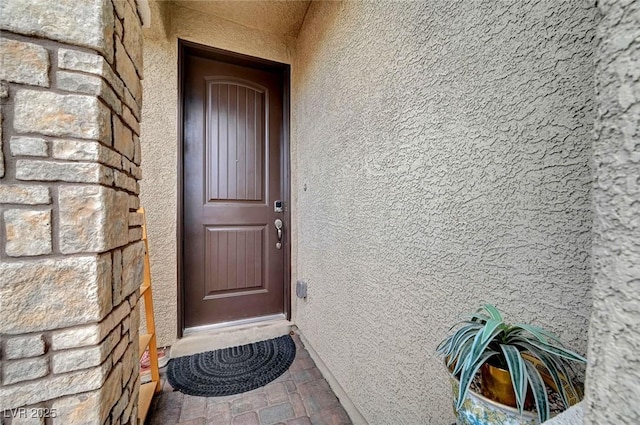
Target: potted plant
{"x": 527, "y": 358}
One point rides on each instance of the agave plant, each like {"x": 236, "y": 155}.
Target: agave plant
{"x": 484, "y": 335}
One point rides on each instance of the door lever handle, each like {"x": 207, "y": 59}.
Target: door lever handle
{"x": 279, "y": 225}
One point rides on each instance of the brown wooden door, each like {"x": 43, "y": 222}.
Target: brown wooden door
{"x": 232, "y": 174}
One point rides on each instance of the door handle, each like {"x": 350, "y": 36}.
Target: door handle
{"x": 279, "y": 225}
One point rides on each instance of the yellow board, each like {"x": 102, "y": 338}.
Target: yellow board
{"x": 148, "y": 340}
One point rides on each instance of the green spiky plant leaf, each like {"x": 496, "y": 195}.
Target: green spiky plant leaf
{"x": 485, "y": 335}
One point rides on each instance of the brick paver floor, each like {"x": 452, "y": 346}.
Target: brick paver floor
{"x": 301, "y": 396}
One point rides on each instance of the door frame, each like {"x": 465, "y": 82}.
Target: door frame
{"x": 189, "y": 47}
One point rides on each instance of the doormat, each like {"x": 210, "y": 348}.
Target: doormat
{"x": 232, "y": 370}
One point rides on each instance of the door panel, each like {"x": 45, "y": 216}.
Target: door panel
{"x": 232, "y": 175}
{"x": 236, "y": 260}
{"x": 235, "y": 141}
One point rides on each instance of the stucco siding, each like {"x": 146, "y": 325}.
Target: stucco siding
{"x": 614, "y": 340}
{"x": 159, "y": 137}
{"x": 441, "y": 159}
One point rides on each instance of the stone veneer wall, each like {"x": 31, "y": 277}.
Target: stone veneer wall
{"x": 70, "y": 249}
{"x": 613, "y": 376}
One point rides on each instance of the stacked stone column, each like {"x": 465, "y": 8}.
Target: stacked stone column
{"x": 71, "y": 259}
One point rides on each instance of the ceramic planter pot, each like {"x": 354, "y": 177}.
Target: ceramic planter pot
{"x": 497, "y": 385}
{"x": 479, "y": 410}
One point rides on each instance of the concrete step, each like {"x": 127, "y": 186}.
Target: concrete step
{"x": 229, "y": 337}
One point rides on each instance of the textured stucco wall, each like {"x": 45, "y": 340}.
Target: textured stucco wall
{"x": 441, "y": 158}
{"x": 613, "y": 378}
{"x": 159, "y": 132}
{"x": 273, "y": 16}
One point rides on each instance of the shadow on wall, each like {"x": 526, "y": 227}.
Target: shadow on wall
{"x": 309, "y": 42}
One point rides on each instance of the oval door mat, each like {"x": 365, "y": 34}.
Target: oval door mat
{"x": 232, "y": 370}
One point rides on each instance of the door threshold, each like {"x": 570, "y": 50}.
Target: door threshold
{"x": 234, "y": 324}
{"x": 231, "y": 335}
